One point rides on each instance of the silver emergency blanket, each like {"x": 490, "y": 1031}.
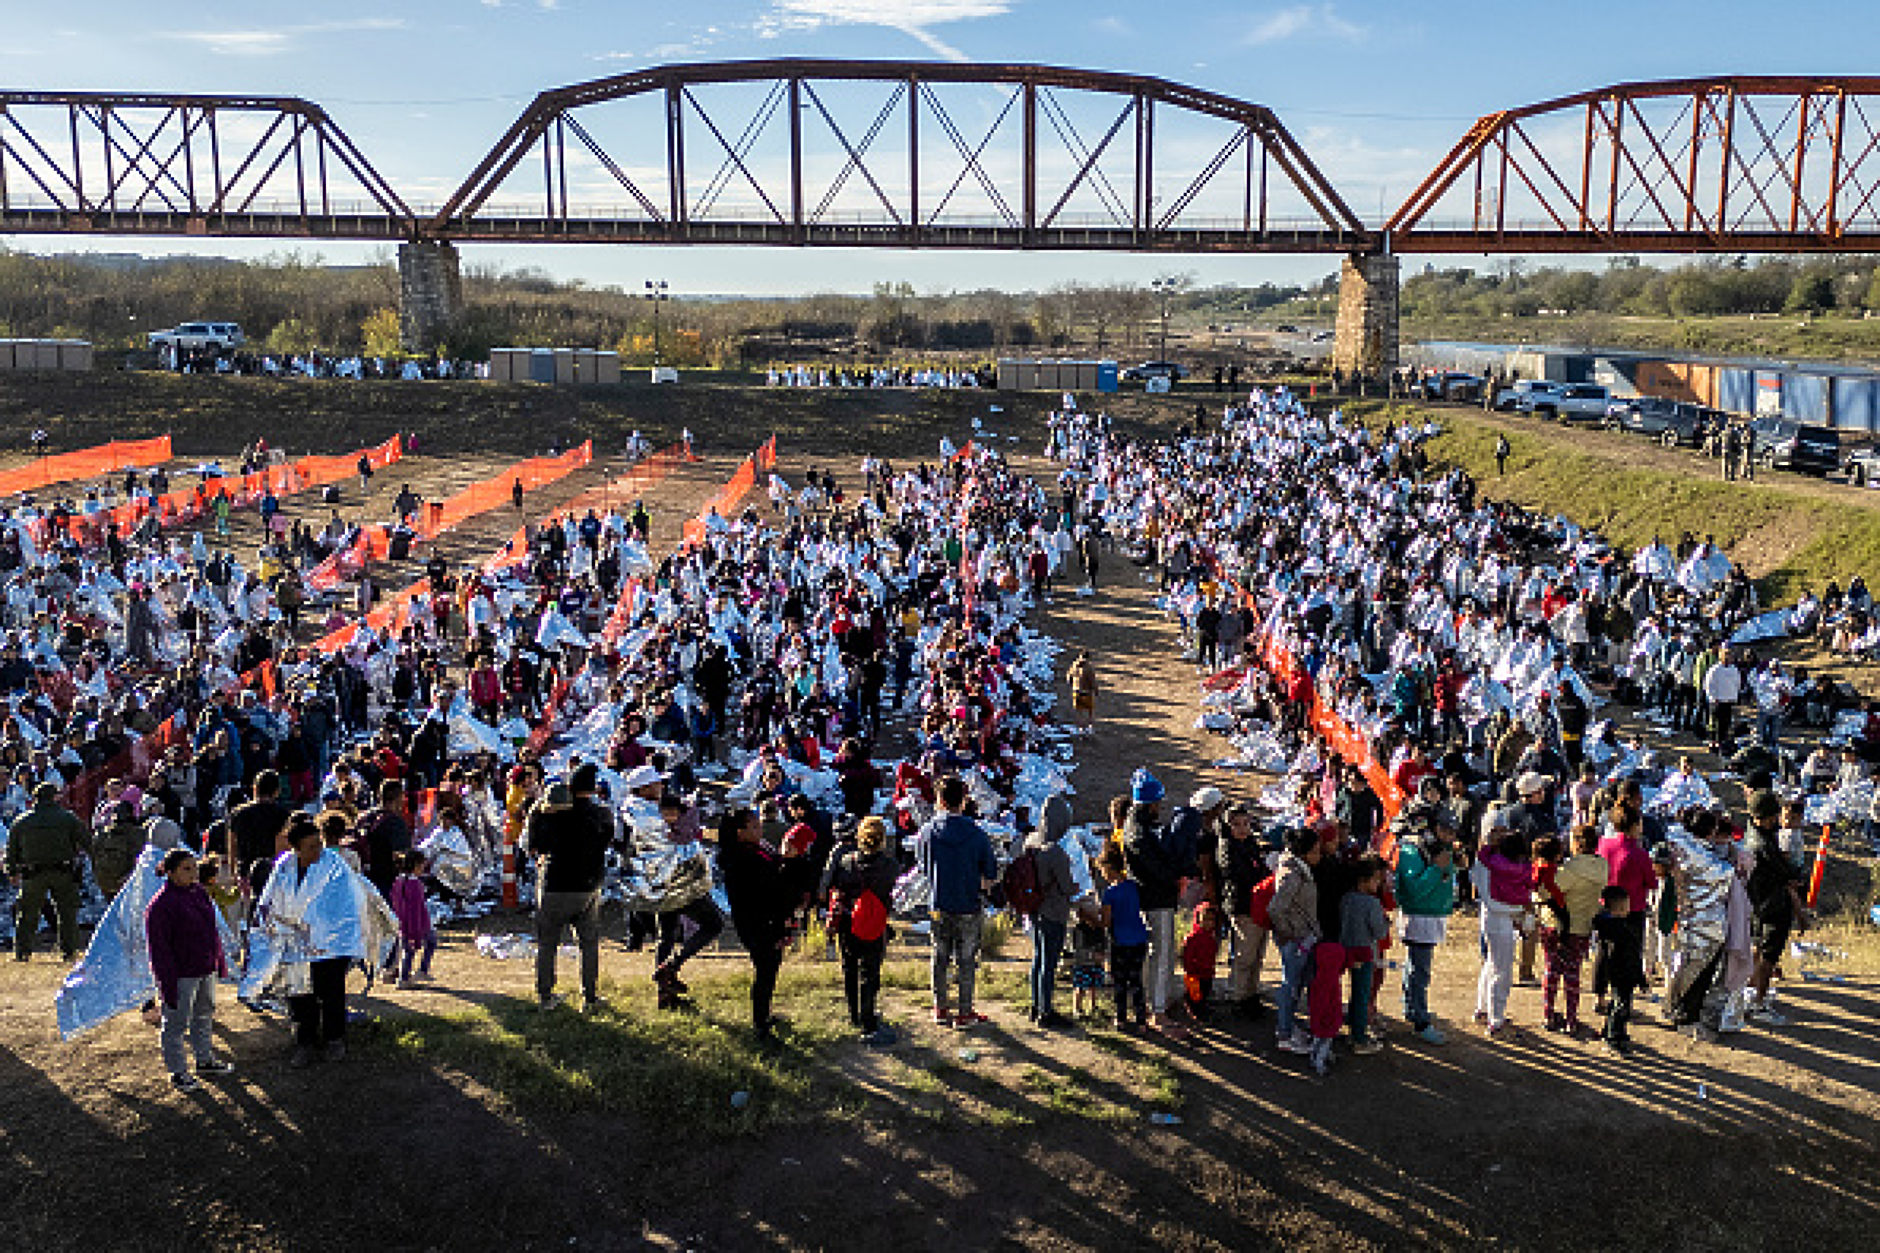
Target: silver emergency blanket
{"x": 664, "y": 875}
{"x": 913, "y": 893}
{"x": 1679, "y": 792}
{"x": 453, "y": 863}
{"x": 1845, "y": 804}
{"x": 333, "y": 911}
{"x": 113, "y": 977}
{"x": 1773, "y": 625}
{"x": 1704, "y": 879}
{"x": 470, "y": 736}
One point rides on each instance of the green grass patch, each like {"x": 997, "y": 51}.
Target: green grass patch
{"x": 682, "y": 1069}
{"x": 1790, "y": 538}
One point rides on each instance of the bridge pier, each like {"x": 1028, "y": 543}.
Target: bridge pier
{"x": 430, "y": 293}
{"x": 1367, "y": 316}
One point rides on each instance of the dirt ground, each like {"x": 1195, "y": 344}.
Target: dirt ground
{"x": 1545, "y": 1143}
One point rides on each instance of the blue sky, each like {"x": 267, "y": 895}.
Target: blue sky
{"x": 1375, "y": 91}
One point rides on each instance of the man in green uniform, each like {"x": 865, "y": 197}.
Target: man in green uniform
{"x": 42, "y": 856}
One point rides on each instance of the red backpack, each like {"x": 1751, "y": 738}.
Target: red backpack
{"x": 868, "y": 917}
{"x": 1022, "y": 895}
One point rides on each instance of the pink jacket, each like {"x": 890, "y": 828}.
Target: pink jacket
{"x": 1630, "y": 868}
{"x": 1509, "y": 882}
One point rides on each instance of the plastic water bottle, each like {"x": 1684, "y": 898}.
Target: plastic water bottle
{"x": 1165, "y": 1120}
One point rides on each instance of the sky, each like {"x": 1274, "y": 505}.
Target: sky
{"x": 1375, "y": 90}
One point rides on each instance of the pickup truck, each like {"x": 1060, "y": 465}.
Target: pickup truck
{"x": 1574, "y": 402}
{"x": 1509, "y": 399}
{"x": 1670, "y": 422}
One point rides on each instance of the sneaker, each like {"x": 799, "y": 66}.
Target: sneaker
{"x": 1430, "y": 1035}
{"x": 1293, "y": 1044}
{"x": 1768, "y": 1017}
{"x": 1365, "y": 1046}
{"x": 880, "y": 1038}
{"x": 215, "y": 1066}
{"x": 336, "y": 1050}
{"x": 1556, "y": 1023}
{"x": 967, "y": 1021}
{"x": 942, "y": 1016}
{"x": 592, "y": 1005}
{"x": 1053, "y": 1019}
{"x": 550, "y": 1001}
{"x": 1503, "y": 1031}
{"x": 1618, "y": 1050}
{"x": 185, "y": 1082}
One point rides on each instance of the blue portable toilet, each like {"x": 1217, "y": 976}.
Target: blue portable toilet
{"x": 1106, "y": 376}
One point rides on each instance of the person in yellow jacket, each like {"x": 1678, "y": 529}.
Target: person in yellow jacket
{"x": 1566, "y": 889}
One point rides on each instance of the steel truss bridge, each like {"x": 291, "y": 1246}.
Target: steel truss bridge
{"x": 898, "y": 154}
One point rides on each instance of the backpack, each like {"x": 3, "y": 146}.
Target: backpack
{"x": 868, "y": 917}
{"x": 1022, "y": 895}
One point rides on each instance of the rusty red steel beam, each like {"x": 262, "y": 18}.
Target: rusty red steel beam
{"x": 458, "y": 217}
{"x": 1752, "y": 166}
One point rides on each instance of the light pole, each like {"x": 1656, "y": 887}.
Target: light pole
{"x": 656, "y": 292}
{"x": 1164, "y": 287}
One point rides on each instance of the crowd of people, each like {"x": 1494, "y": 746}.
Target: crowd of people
{"x": 507, "y": 721}
{"x": 878, "y": 376}
{"x": 832, "y": 711}
{"x": 1415, "y": 661}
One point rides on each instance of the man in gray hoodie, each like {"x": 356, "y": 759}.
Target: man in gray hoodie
{"x": 1057, "y": 888}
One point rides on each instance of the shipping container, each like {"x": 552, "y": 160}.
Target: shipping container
{"x": 1768, "y": 396}
{"x": 1618, "y": 375}
{"x": 1805, "y": 399}
{"x": 1106, "y": 376}
{"x": 1679, "y": 380}
{"x": 1857, "y": 403}
{"x": 1736, "y": 390}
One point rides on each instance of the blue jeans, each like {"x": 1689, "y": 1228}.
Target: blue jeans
{"x": 1416, "y": 984}
{"x": 955, "y": 945}
{"x": 1358, "y": 1009}
{"x": 1047, "y": 942}
{"x": 1295, "y": 963}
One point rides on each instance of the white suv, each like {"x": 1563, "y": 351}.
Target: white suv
{"x": 194, "y": 336}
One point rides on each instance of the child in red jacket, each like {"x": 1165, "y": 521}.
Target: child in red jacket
{"x": 1200, "y": 952}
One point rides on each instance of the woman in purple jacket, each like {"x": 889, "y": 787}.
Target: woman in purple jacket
{"x": 185, "y": 958}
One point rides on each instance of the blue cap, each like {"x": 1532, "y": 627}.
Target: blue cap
{"x": 1145, "y": 788}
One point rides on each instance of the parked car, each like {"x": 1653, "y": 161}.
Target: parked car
{"x": 1452, "y": 385}
{"x": 1156, "y": 370}
{"x": 1670, "y": 422}
{"x": 1286, "y": 328}
{"x": 1863, "y": 466}
{"x": 199, "y": 336}
{"x": 1509, "y": 398}
{"x": 1574, "y": 402}
{"x": 1785, "y": 444}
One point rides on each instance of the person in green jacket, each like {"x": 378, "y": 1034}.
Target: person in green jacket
{"x": 1426, "y": 894}
{"x": 42, "y": 856}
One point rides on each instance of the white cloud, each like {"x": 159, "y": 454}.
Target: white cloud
{"x": 1304, "y": 19}
{"x": 278, "y": 39}
{"x": 913, "y": 18}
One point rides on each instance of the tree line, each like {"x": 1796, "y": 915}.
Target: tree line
{"x": 1712, "y": 287}
{"x": 294, "y": 303}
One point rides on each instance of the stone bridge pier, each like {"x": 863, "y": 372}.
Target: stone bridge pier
{"x": 430, "y": 293}
{"x": 1366, "y": 343}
